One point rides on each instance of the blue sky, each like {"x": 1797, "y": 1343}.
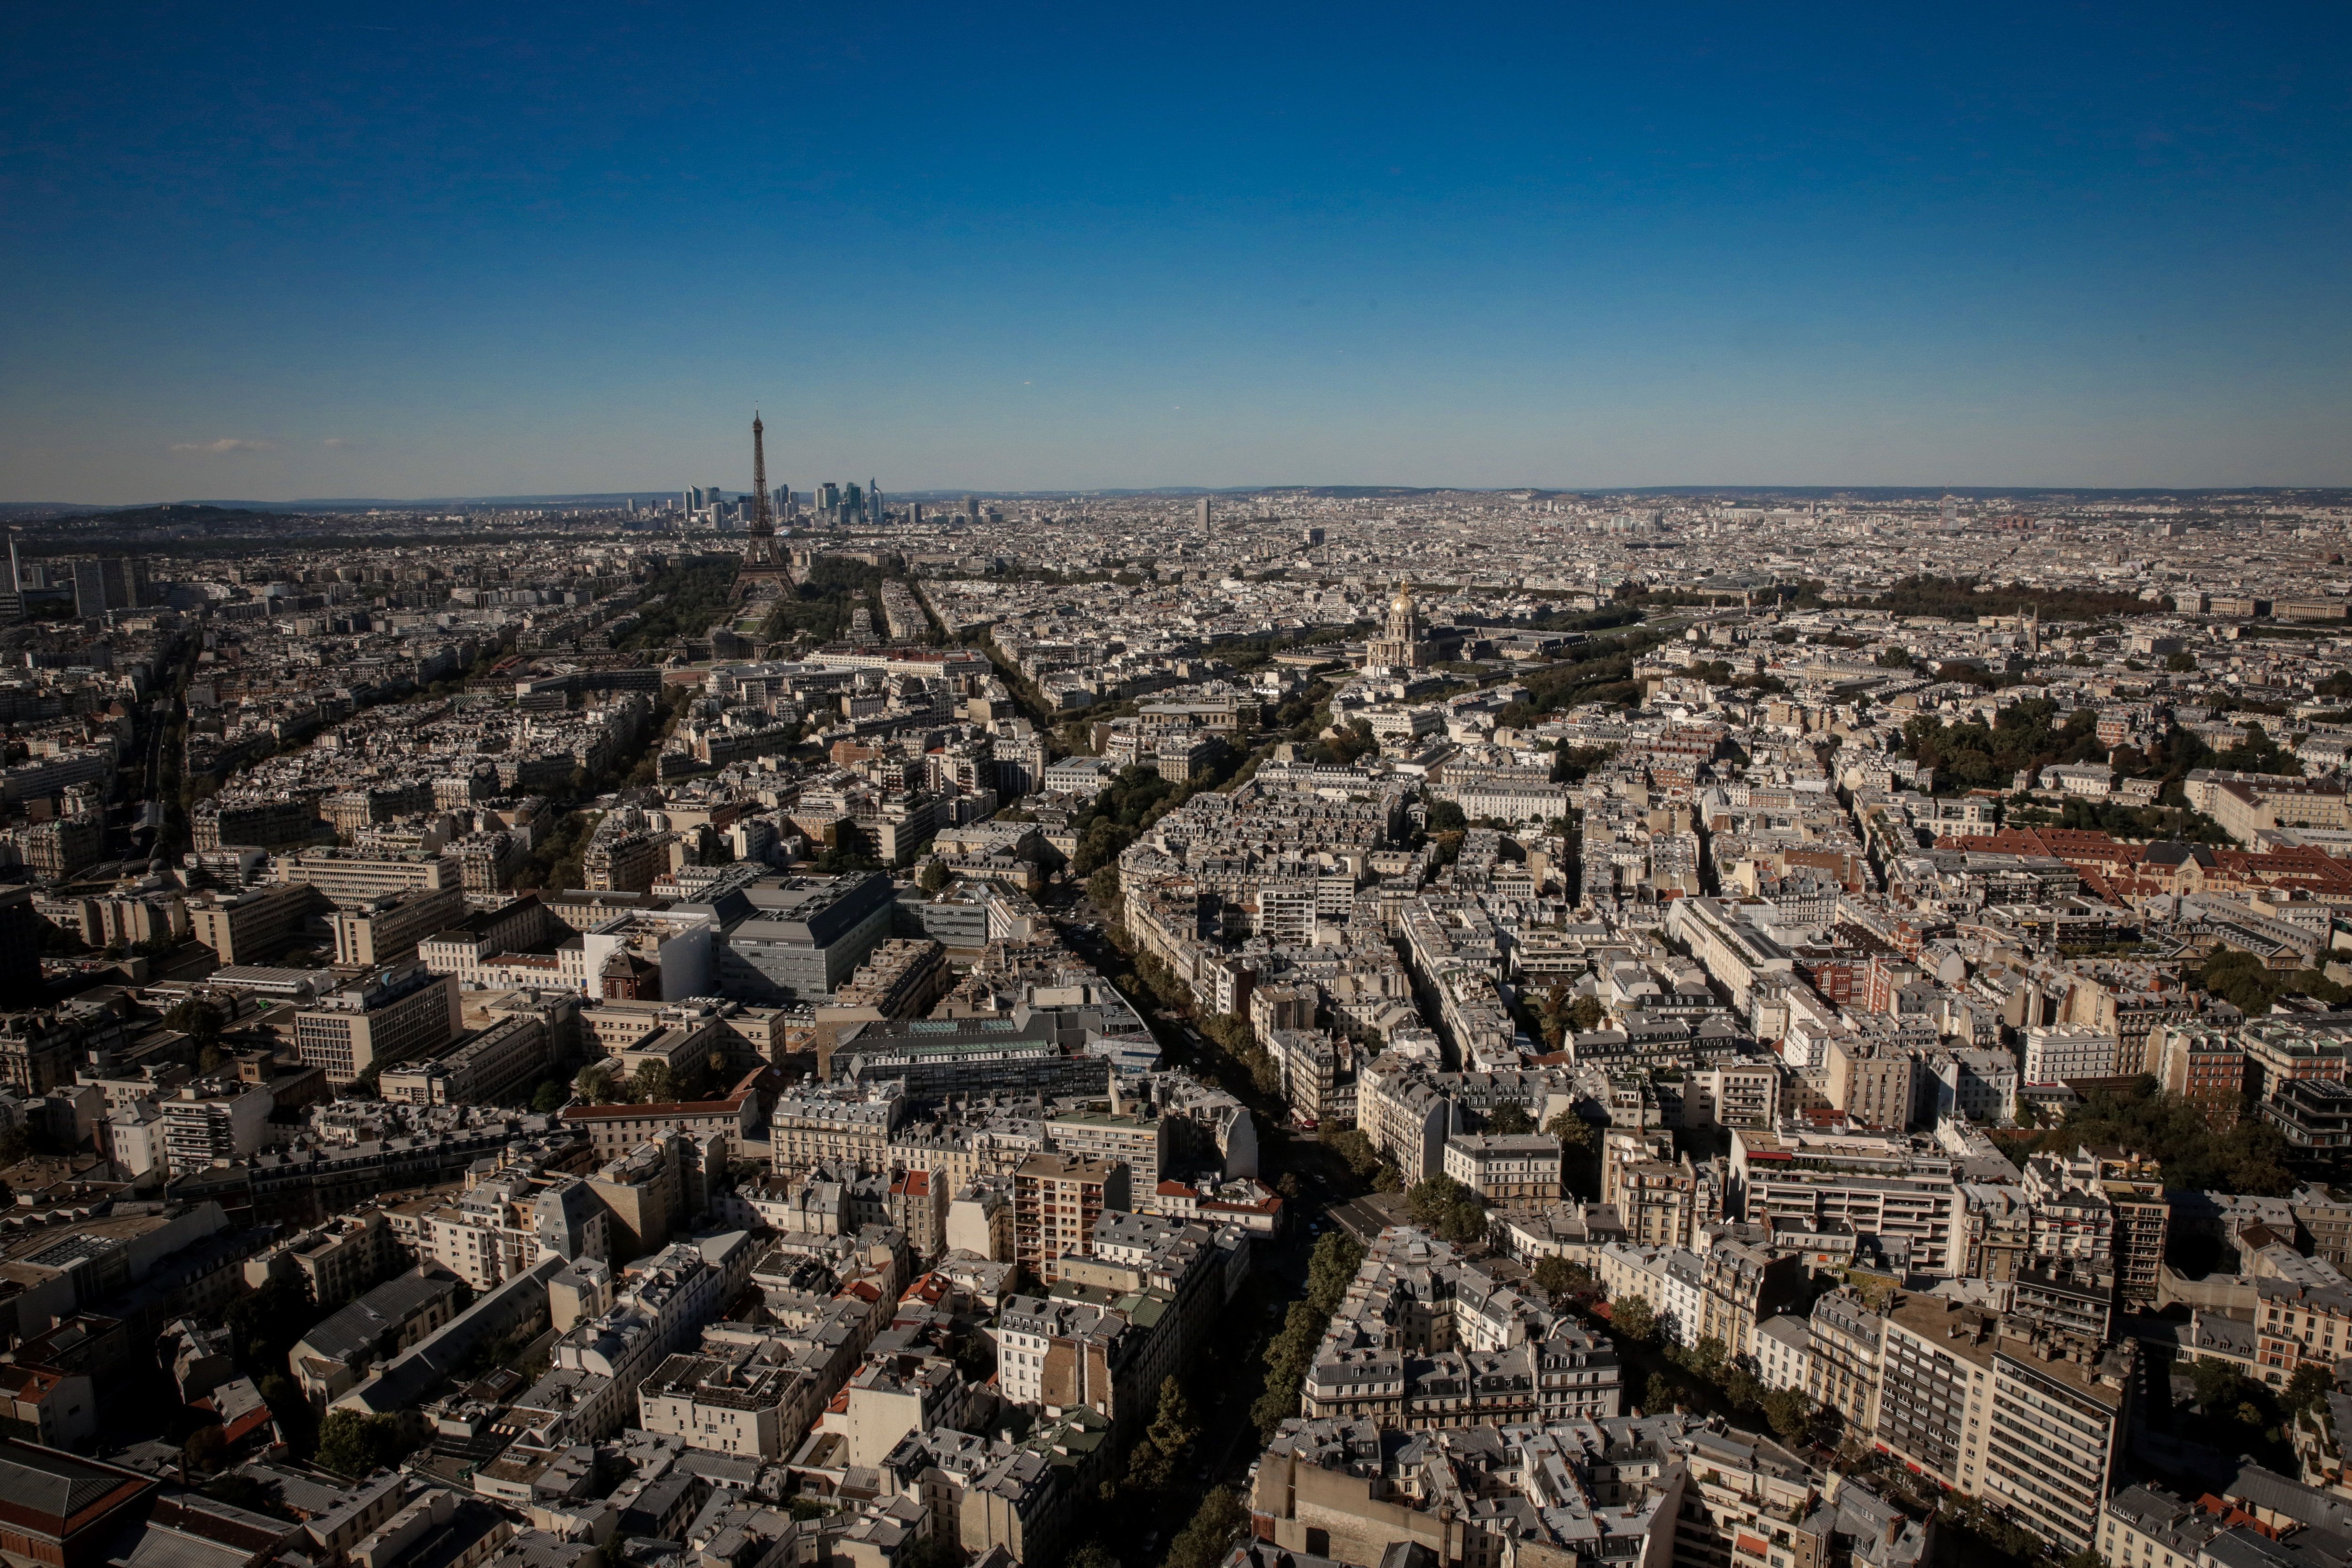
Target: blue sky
{"x": 249, "y": 251}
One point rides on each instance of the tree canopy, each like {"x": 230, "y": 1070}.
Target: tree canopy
{"x": 1447, "y": 1209}
{"x": 2250, "y": 1157}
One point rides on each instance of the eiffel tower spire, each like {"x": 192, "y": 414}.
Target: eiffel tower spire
{"x": 763, "y": 521}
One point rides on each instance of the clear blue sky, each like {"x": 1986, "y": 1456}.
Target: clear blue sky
{"x": 252, "y": 251}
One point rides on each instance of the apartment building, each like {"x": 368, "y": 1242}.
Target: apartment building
{"x": 2299, "y": 1324}
{"x": 2030, "y": 1420}
{"x": 901, "y": 978}
{"x": 504, "y": 1224}
{"x": 1889, "y": 1188}
{"x": 349, "y": 880}
{"x": 338, "y": 1259}
{"x": 383, "y": 1019}
{"x": 1732, "y": 1094}
{"x": 215, "y": 1121}
{"x": 1871, "y": 1080}
{"x": 496, "y": 1065}
{"x": 1845, "y": 1340}
{"x": 1143, "y": 1143}
{"x": 2057, "y": 1053}
{"x": 387, "y": 929}
{"x": 1056, "y": 1199}
{"x": 1509, "y": 1170}
{"x": 1426, "y": 1340}
{"x": 2204, "y": 1067}
{"x": 737, "y": 1401}
{"x": 614, "y": 1130}
{"x": 253, "y": 925}
{"x": 809, "y": 1129}
{"x": 1744, "y": 1284}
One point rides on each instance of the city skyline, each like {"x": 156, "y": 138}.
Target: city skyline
{"x": 466, "y": 256}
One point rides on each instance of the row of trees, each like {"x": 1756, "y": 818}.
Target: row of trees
{"x": 692, "y": 594}
{"x": 1792, "y": 1415}
{"x": 821, "y": 606}
{"x": 1602, "y": 673}
{"x": 1291, "y": 1351}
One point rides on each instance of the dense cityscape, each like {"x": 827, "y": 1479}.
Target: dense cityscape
{"x": 1263, "y": 1029}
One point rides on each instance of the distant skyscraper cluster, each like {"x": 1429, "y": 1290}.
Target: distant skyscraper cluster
{"x": 827, "y": 505}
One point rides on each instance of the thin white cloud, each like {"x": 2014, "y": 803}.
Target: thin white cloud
{"x": 227, "y": 443}
{"x": 338, "y": 443}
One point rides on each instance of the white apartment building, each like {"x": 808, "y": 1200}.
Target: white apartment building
{"x": 219, "y": 1121}
{"x": 1784, "y": 1352}
{"x": 2057, "y": 1052}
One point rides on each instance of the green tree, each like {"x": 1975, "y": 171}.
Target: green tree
{"x": 1447, "y": 1209}
{"x": 654, "y": 1083}
{"x": 934, "y": 877}
{"x": 1216, "y": 1524}
{"x": 594, "y": 1083}
{"x": 1790, "y": 1412}
{"x": 1152, "y": 1464}
{"x": 1633, "y": 1318}
{"x": 2181, "y": 663}
{"x": 357, "y": 1445}
{"x": 1445, "y": 816}
{"x": 550, "y": 1098}
{"x": 1661, "y": 1395}
{"x": 1510, "y": 1119}
{"x": 1743, "y": 1388}
{"x": 2308, "y": 1389}
{"x": 1585, "y": 1014}
{"x": 1093, "y": 1554}
{"x": 1104, "y": 889}
{"x": 2219, "y": 1384}
{"x": 264, "y": 1324}
{"x": 1356, "y": 1148}
{"x": 206, "y": 1448}
{"x": 1573, "y": 1130}
{"x": 936, "y": 1550}
{"x": 1557, "y": 1277}
{"x": 1287, "y": 1354}
{"x": 200, "y": 1021}
{"x": 2250, "y": 1157}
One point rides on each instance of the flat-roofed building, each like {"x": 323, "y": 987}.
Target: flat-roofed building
{"x": 1141, "y": 1144}
{"x": 383, "y": 1019}
{"x": 1056, "y": 1199}
{"x": 352, "y": 880}
{"x": 735, "y": 1401}
{"x": 797, "y": 938}
{"x": 2030, "y": 1419}
{"x": 614, "y": 1130}
{"x": 388, "y": 929}
{"x": 497, "y": 1063}
{"x": 253, "y": 925}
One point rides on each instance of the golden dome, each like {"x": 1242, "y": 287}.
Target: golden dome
{"x": 1402, "y": 604}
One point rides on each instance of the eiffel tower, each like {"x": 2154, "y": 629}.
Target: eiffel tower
{"x": 762, "y": 557}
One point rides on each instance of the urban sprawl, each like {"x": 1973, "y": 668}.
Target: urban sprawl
{"x": 776, "y": 1028}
